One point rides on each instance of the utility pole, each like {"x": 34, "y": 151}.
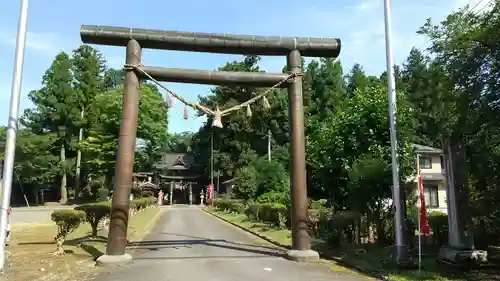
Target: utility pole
{"x": 269, "y": 145}
{"x": 400, "y": 254}
{"x": 79, "y": 158}
{"x": 12, "y": 123}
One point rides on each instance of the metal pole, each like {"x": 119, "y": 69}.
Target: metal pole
{"x": 301, "y": 244}
{"x": 79, "y": 159}
{"x": 419, "y": 207}
{"x": 10, "y": 141}
{"x": 212, "y": 158}
{"x": 218, "y": 181}
{"x": 401, "y": 251}
{"x": 269, "y": 145}
{"x": 117, "y": 237}
{"x": 419, "y": 242}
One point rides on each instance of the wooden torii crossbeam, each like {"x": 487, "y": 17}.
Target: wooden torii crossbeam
{"x": 135, "y": 39}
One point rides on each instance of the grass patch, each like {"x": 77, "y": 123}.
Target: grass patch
{"x": 277, "y": 234}
{"x": 33, "y": 244}
{"x": 372, "y": 258}
{"x": 280, "y": 235}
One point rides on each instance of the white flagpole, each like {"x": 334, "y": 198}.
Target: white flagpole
{"x": 419, "y": 240}
{"x": 401, "y": 251}
{"x": 10, "y": 141}
{"x": 418, "y": 215}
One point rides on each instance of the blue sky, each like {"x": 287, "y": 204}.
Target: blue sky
{"x": 54, "y": 26}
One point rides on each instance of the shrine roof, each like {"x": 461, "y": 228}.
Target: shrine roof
{"x": 176, "y": 161}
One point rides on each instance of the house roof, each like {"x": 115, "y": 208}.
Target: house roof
{"x": 147, "y": 184}
{"x": 230, "y": 181}
{"x": 176, "y": 161}
{"x": 426, "y": 149}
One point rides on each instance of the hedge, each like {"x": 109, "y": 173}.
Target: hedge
{"x": 141, "y": 203}
{"x": 335, "y": 227}
{"x": 273, "y": 213}
{"x": 67, "y": 221}
{"x": 95, "y": 213}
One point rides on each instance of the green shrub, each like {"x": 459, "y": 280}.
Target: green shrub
{"x": 274, "y": 197}
{"x": 236, "y": 206}
{"x": 439, "y": 225}
{"x": 94, "y": 213}
{"x": 320, "y": 219}
{"x": 275, "y": 214}
{"x": 317, "y": 204}
{"x": 142, "y": 203}
{"x": 102, "y": 194}
{"x": 253, "y": 210}
{"x": 222, "y": 203}
{"x": 260, "y": 177}
{"x": 341, "y": 227}
{"x": 67, "y": 221}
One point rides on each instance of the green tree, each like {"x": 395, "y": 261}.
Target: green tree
{"x": 56, "y": 108}
{"x": 356, "y": 79}
{"x": 88, "y": 67}
{"x": 243, "y": 137}
{"x": 359, "y": 128}
{"x": 465, "y": 49}
{"x": 259, "y": 178}
{"x": 105, "y": 115}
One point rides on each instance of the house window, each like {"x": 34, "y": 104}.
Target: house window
{"x": 431, "y": 195}
{"x": 425, "y": 162}
{"x": 441, "y": 157}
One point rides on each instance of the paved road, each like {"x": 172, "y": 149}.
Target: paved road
{"x": 188, "y": 244}
{"x": 34, "y": 214}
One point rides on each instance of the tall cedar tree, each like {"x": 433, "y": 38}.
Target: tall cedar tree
{"x": 56, "y": 108}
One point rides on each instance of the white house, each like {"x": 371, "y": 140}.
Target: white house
{"x": 431, "y": 167}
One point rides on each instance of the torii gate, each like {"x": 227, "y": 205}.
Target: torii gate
{"x": 136, "y": 39}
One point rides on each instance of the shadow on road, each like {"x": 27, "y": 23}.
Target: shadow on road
{"x": 200, "y": 257}
{"x": 273, "y": 247}
{"x": 156, "y": 245}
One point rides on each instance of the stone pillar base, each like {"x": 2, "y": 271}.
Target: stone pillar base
{"x": 467, "y": 258}
{"x": 108, "y": 260}
{"x": 302, "y": 255}
{"x": 401, "y": 256}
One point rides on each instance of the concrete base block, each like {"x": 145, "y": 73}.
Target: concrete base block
{"x": 463, "y": 257}
{"x": 303, "y": 255}
{"x": 108, "y": 260}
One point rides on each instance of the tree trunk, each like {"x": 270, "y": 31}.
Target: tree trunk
{"x": 357, "y": 232}
{"x": 78, "y": 161}
{"x": 60, "y": 250}
{"x": 64, "y": 190}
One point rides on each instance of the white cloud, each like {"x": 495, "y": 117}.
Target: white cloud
{"x": 360, "y": 26}
{"x": 46, "y": 42}
{"x": 369, "y": 5}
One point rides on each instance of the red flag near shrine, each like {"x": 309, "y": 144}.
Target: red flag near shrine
{"x": 424, "y": 226}
{"x": 210, "y": 191}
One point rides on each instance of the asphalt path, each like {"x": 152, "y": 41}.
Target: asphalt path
{"x": 187, "y": 244}
{"x": 34, "y": 214}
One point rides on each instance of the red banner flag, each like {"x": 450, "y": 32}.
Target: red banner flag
{"x": 424, "y": 222}
{"x": 210, "y": 191}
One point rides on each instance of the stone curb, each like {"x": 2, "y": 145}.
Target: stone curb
{"x": 322, "y": 255}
